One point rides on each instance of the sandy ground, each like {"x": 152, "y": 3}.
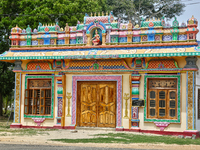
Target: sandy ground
{"x": 58, "y": 134}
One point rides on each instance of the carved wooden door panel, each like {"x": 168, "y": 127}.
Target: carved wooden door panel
{"x": 106, "y": 105}
{"x": 88, "y": 102}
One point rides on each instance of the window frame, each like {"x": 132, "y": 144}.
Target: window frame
{"x": 178, "y": 107}
{"x": 42, "y": 77}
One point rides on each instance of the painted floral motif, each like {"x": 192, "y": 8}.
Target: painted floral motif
{"x": 17, "y": 97}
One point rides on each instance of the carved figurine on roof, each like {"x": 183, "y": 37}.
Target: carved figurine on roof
{"x": 102, "y": 29}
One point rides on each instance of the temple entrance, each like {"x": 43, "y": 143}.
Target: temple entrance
{"x": 96, "y": 104}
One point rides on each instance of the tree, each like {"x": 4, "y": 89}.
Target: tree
{"x": 31, "y": 12}
{"x": 136, "y": 9}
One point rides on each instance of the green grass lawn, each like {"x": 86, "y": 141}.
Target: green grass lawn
{"x": 6, "y": 131}
{"x": 127, "y": 138}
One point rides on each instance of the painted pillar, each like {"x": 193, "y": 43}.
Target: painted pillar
{"x": 103, "y": 38}
{"x": 135, "y": 83}
{"x": 190, "y": 104}
{"x": 88, "y": 39}
{"x": 63, "y": 101}
{"x": 59, "y": 99}
{"x": 17, "y": 98}
{"x": 190, "y": 67}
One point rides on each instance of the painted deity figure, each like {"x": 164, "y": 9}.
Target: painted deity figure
{"x": 96, "y": 38}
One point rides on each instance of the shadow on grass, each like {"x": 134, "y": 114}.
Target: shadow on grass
{"x": 125, "y": 138}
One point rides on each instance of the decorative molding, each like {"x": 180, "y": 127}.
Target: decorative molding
{"x": 162, "y": 125}
{"x": 135, "y": 83}
{"x": 18, "y": 64}
{"x": 191, "y": 62}
{"x": 17, "y": 97}
{"x": 38, "y": 120}
{"x": 190, "y": 103}
{"x": 52, "y": 94}
{"x": 38, "y": 65}
{"x": 126, "y": 97}
{"x": 178, "y": 99}
{"x": 68, "y": 98}
{"x": 117, "y": 78}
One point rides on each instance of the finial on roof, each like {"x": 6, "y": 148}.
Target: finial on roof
{"x": 98, "y": 13}
{"x": 106, "y": 13}
{"x": 95, "y": 14}
{"x": 91, "y": 15}
{"x": 192, "y": 16}
{"x": 102, "y": 13}
{"x": 155, "y": 19}
{"x": 16, "y": 26}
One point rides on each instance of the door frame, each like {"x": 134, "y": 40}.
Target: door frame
{"x": 97, "y": 83}
{"x": 117, "y": 78}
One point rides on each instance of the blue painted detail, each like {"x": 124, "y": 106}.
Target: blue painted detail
{"x": 103, "y": 25}
{"x": 59, "y": 97}
{"x": 72, "y": 41}
{"x": 133, "y": 99}
{"x": 178, "y": 73}
{"x": 59, "y": 82}
{"x": 151, "y": 34}
{"x": 133, "y": 62}
{"x": 22, "y": 43}
{"x": 88, "y": 49}
{"x": 182, "y": 37}
{"x": 60, "y": 42}
{"x": 135, "y": 82}
{"x": 52, "y": 74}
{"x": 135, "y": 120}
{"x": 58, "y": 117}
{"x": 136, "y": 39}
{"x": 92, "y": 23}
{"x": 144, "y": 63}
{"x": 122, "y": 39}
{"x": 63, "y": 63}
{"x": 167, "y": 38}
{"x": 34, "y": 42}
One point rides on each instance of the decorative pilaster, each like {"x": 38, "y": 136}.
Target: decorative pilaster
{"x": 88, "y": 39}
{"x": 17, "y": 97}
{"x": 135, "y": 83}
{"x": 190, "y": 104}
{"x": 190, "y": 67}
{"x": 103, "y": 38}
{"x": 69, "y": 96}
{"x": 59, "y": 99}
{"x": 63, "y": 102}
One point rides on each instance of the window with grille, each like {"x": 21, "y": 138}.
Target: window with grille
{"x": 38, "y": 97}
{"x": 162, "y": 99}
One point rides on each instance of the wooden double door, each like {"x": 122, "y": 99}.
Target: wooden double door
{"x": 96, "y": 104}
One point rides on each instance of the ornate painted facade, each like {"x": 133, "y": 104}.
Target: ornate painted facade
{"x": 104, "y": 73}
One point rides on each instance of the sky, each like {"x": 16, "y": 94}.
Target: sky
{"x": 192, "y": 8}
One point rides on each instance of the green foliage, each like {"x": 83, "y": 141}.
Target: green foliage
{"x": 136, "y": 9}
{"x": 31, "y": 12}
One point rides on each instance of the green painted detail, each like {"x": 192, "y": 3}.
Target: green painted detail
{"x": 80, "y": 27}
{"x": 135, "y": 91}
{"x": 60, "y": 90}
{"x": 58, "y": 63}
{"x": 178, "y": 101}
{"x": 54, "y": 28}
{"x": 138, "y": 61}
{"x": 96, "y": 66}
{"x": 114, "y": 25}
{"x": 79, "y": 40}
{"x": 52, "y": 95}
{"x": 102, "y": 56}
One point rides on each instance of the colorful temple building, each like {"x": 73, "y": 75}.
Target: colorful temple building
{"x": 104, "y": 73}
